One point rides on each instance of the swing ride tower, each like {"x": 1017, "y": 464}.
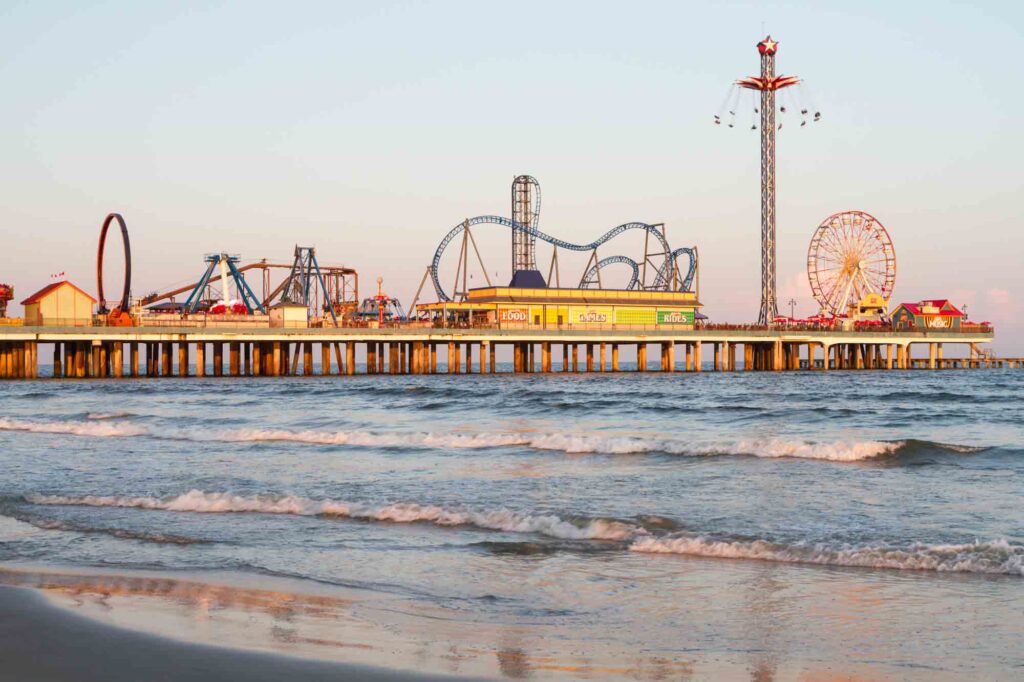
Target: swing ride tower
{"x": 767, "y": 84}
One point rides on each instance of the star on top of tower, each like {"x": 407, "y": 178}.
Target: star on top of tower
{"x": 767, "y": 46}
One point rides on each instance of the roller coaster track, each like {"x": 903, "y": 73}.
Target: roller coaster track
{"x": 660, "y": 282}
{"x": 591, "y": 278}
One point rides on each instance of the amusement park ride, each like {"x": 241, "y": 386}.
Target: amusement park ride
{"x": 767, "y": 84}
{"x": 6, "y": 296}
{"x": 329, "y": 291}
{"x": 850, "y": 257}
{"x": 120, "y": 316}
{"x": 658, "y": 269}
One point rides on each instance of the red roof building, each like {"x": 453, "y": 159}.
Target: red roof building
{"x": 936, "y": 313}
{"x": 60, "y": 304}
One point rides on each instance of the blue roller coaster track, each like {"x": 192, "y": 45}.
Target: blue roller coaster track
{"x": 661, "y": 281}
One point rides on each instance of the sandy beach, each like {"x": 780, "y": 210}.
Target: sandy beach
{"x": 40, "y": 641}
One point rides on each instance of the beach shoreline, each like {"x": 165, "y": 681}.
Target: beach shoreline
{"x": 45, "y": 642}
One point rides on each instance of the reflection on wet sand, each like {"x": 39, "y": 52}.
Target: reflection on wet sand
{"x": 354, "y": 627}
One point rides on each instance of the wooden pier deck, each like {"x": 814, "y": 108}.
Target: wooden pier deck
{"x": 100, "y": 352}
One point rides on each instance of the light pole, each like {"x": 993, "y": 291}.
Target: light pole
{"x": 792, "y": 306}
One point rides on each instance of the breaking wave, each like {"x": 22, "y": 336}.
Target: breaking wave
{"x": 94, "y": 428}
{"x": 198, "y": 501}
{"x": 838, "y": 451}
{"x": 996, "y": 556}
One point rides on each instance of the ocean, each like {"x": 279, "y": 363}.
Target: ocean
{"x": 648, "y": 526}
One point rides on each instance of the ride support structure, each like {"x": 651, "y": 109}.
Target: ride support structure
{"x": 305, "y": 275}
{"x": 120, "y": 315}
{"x": 767, "y": 85}
{"x": 228, "y": 271}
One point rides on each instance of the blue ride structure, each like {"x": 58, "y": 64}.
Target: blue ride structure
{"x": 668, "y": 276}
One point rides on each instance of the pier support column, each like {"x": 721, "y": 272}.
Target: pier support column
{"x": 932, "y": 355}
{"x": 58, "y": 368}
{"x": 307, "y": 358}
{"x": 696, "y": 356}
{"x": 670, "y": 356}
{"x": 603, "y": 363}
{"x": 182, "y": 359}
{"x": 545, "y": 357}
{"x": 133, "y": 359}
{"x": 492, "y": 361}
{"x": 469, "y": 359}
{"x": 234, "y": 359}
{"x": 200, "y": 359}
{"x": 575, "y": 357}
{"x": 565, "y": 357}
{"x": 716, "y": 364}
{"x": 451, "y": 366}
{"x": 777, "y": 355}
{"x": 590, "y": 357}
{"x": 166, "y": 359}
{"x": 641, "y": 357}
{"x": 748, "y": 357}
{"x": 278, "y": 360}
{"x": 325, "y": 358}
{"x": 615, "y": 357}
{"x": 218, "y": 359}
{"x": 938, "y": 352}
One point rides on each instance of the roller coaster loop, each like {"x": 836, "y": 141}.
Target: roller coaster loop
{"x": 126, "y": 291}
{"x": 663, "y": 275}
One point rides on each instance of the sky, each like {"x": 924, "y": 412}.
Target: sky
{"x": 370, "y": 129}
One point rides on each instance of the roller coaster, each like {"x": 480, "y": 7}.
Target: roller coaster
{"x": 668, "y": 276}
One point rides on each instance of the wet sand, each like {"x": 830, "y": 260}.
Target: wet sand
{"x": 42, "y": 642}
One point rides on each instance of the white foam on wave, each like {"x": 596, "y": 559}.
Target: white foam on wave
{"x": 199, "y": 501}
{"x": 99, "y": 429}
{"x": 839, "y": 451}
{"x": 996, "y": 556}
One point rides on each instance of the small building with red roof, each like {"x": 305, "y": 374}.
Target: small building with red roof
{"x": 935, "y": 314}
{"x": 60, "y": 304}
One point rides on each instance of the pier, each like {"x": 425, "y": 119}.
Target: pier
{"x": 116, "y": 352}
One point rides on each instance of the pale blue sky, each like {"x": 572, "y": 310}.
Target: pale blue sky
{"x": 369, "y": 129}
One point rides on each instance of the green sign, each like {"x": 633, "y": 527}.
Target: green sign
{"x": 675, "y": 317}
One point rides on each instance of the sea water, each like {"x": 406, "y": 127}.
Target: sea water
{"x": 785, "y": 524}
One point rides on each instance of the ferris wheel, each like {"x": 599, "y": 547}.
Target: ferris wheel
{"x": 850, "y": 256}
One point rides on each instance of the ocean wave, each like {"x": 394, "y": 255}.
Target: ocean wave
{"x": 996, "y": 556}
{"x": 122, "y": 533}
{"x": 836, "y": 451}
{"x": 89, "y": 428}
{"x": 198, "y": 501}
{"x": 100, "y": 416}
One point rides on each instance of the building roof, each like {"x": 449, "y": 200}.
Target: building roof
{"x": 49, "y": 288}
{"x": 569, "y": 296}
{"x": 945, "y": 308}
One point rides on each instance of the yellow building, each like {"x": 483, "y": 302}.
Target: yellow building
{"x": 60, "y": 304}
{"x": 872, "y": 307}
{"x": 518, "y": 308}
{"x": 295, "y": 315}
